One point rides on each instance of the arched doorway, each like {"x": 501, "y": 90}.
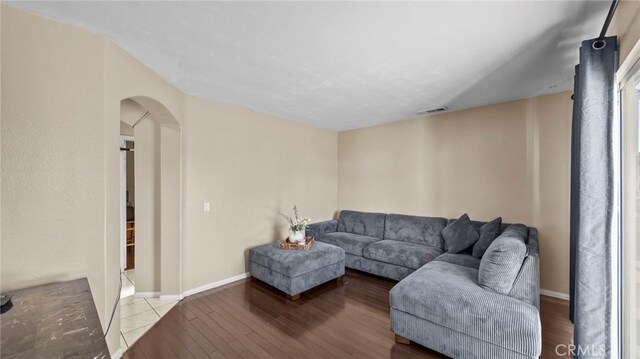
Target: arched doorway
{"x": 157, "y": 218}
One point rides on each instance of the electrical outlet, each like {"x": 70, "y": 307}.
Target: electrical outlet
{"x": 207, "y": 207}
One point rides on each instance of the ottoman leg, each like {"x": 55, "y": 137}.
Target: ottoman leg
{"x": 402, "y": 340}
{"x": 294, "y": 297}
{"x": 339, "y": 279}
{"x": 253, "y": 279}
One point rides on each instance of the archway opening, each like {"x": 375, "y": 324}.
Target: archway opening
{"x": 150, "y": 211}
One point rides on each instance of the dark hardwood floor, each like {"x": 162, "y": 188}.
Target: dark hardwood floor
{"x": 336, "y": 320}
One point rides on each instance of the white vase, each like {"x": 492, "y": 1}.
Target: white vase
{"x": 297, "y": 236}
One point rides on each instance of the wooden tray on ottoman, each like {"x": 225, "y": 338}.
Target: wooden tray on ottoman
{"x": 285, "y": 244}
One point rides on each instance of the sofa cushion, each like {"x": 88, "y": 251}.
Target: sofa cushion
{"x": 464, "y": 260}
{"x": 294, "y": 263}
{"x": 375, "y": 267}
{"x": 449, "y": 295}
{"x": 503, "y": 259}
{"x": 363, "y": 223}
{"x": 460, "y": 235}
{"x": 406, "y": 254}
{"x": 351, "y": 243}
{"x": 488, "y": 233}
{"x": 423, "y": 230}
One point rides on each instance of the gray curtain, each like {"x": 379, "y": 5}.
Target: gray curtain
{"x": 592, "y": 197}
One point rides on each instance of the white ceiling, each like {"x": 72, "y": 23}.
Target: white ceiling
{"x": 345, "y": 65}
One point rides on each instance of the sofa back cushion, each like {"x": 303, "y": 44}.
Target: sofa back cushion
{"x": 422, "y": 230}
{"x": 362, "y": 223}
{"x": 502, "y": 261}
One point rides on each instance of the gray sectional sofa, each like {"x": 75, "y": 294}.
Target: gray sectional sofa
{"x": 456, "y": 304}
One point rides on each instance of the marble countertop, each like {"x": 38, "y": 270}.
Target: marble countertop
{"x": 57, "y": 320}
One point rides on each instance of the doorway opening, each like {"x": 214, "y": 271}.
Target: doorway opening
{"x": 127, "y": 210}
{"x": 150, "y": 215}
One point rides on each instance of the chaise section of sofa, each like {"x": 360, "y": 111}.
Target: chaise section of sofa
{"x": 443, "y": 306}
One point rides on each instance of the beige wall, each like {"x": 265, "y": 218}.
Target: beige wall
{"x": 52, "y": 171}
{"x": 148, "y": 211}
{"x": 126, "y": 129}
{"x": 170, "y": 212}
{"x": 248, "y": 166}
{"x": 510, "y": 160}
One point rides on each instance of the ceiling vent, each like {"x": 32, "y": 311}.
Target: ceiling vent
{"x": 433, "y": 110}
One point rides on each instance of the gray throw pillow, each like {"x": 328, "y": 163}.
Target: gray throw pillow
{"x": 501, "y": 262}
{"x": 459, "y": 235}
{"x": 488, "y": 233}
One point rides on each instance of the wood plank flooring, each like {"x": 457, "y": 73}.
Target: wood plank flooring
{"x": 348, "y": 319}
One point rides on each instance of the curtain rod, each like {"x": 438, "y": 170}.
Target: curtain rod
{"x": 607, "y": 22}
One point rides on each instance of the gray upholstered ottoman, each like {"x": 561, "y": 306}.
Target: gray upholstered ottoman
{"x": 294, "y": 272}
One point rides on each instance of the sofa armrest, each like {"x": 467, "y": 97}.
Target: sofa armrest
{"x": 526, "y": 286}
{"x": 320, "y": 228}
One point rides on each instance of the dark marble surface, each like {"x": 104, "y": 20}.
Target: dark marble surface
{"x": 57, "y": 320}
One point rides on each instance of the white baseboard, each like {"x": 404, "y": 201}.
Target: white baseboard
{"x": 219, "y": 283}
{"x": 171, "y": 297}
{"x": 147, "y": 295}
{"x": 202, "y": 288}
{"x": 551, "y": 293}
{"x": 118, "y": 353}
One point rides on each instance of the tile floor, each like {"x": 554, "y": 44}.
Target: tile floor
{"x": 137, "y": 315}
{"x": 128, "y": 287}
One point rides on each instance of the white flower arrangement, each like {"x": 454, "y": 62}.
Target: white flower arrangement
{"x": 296, "y": 223}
